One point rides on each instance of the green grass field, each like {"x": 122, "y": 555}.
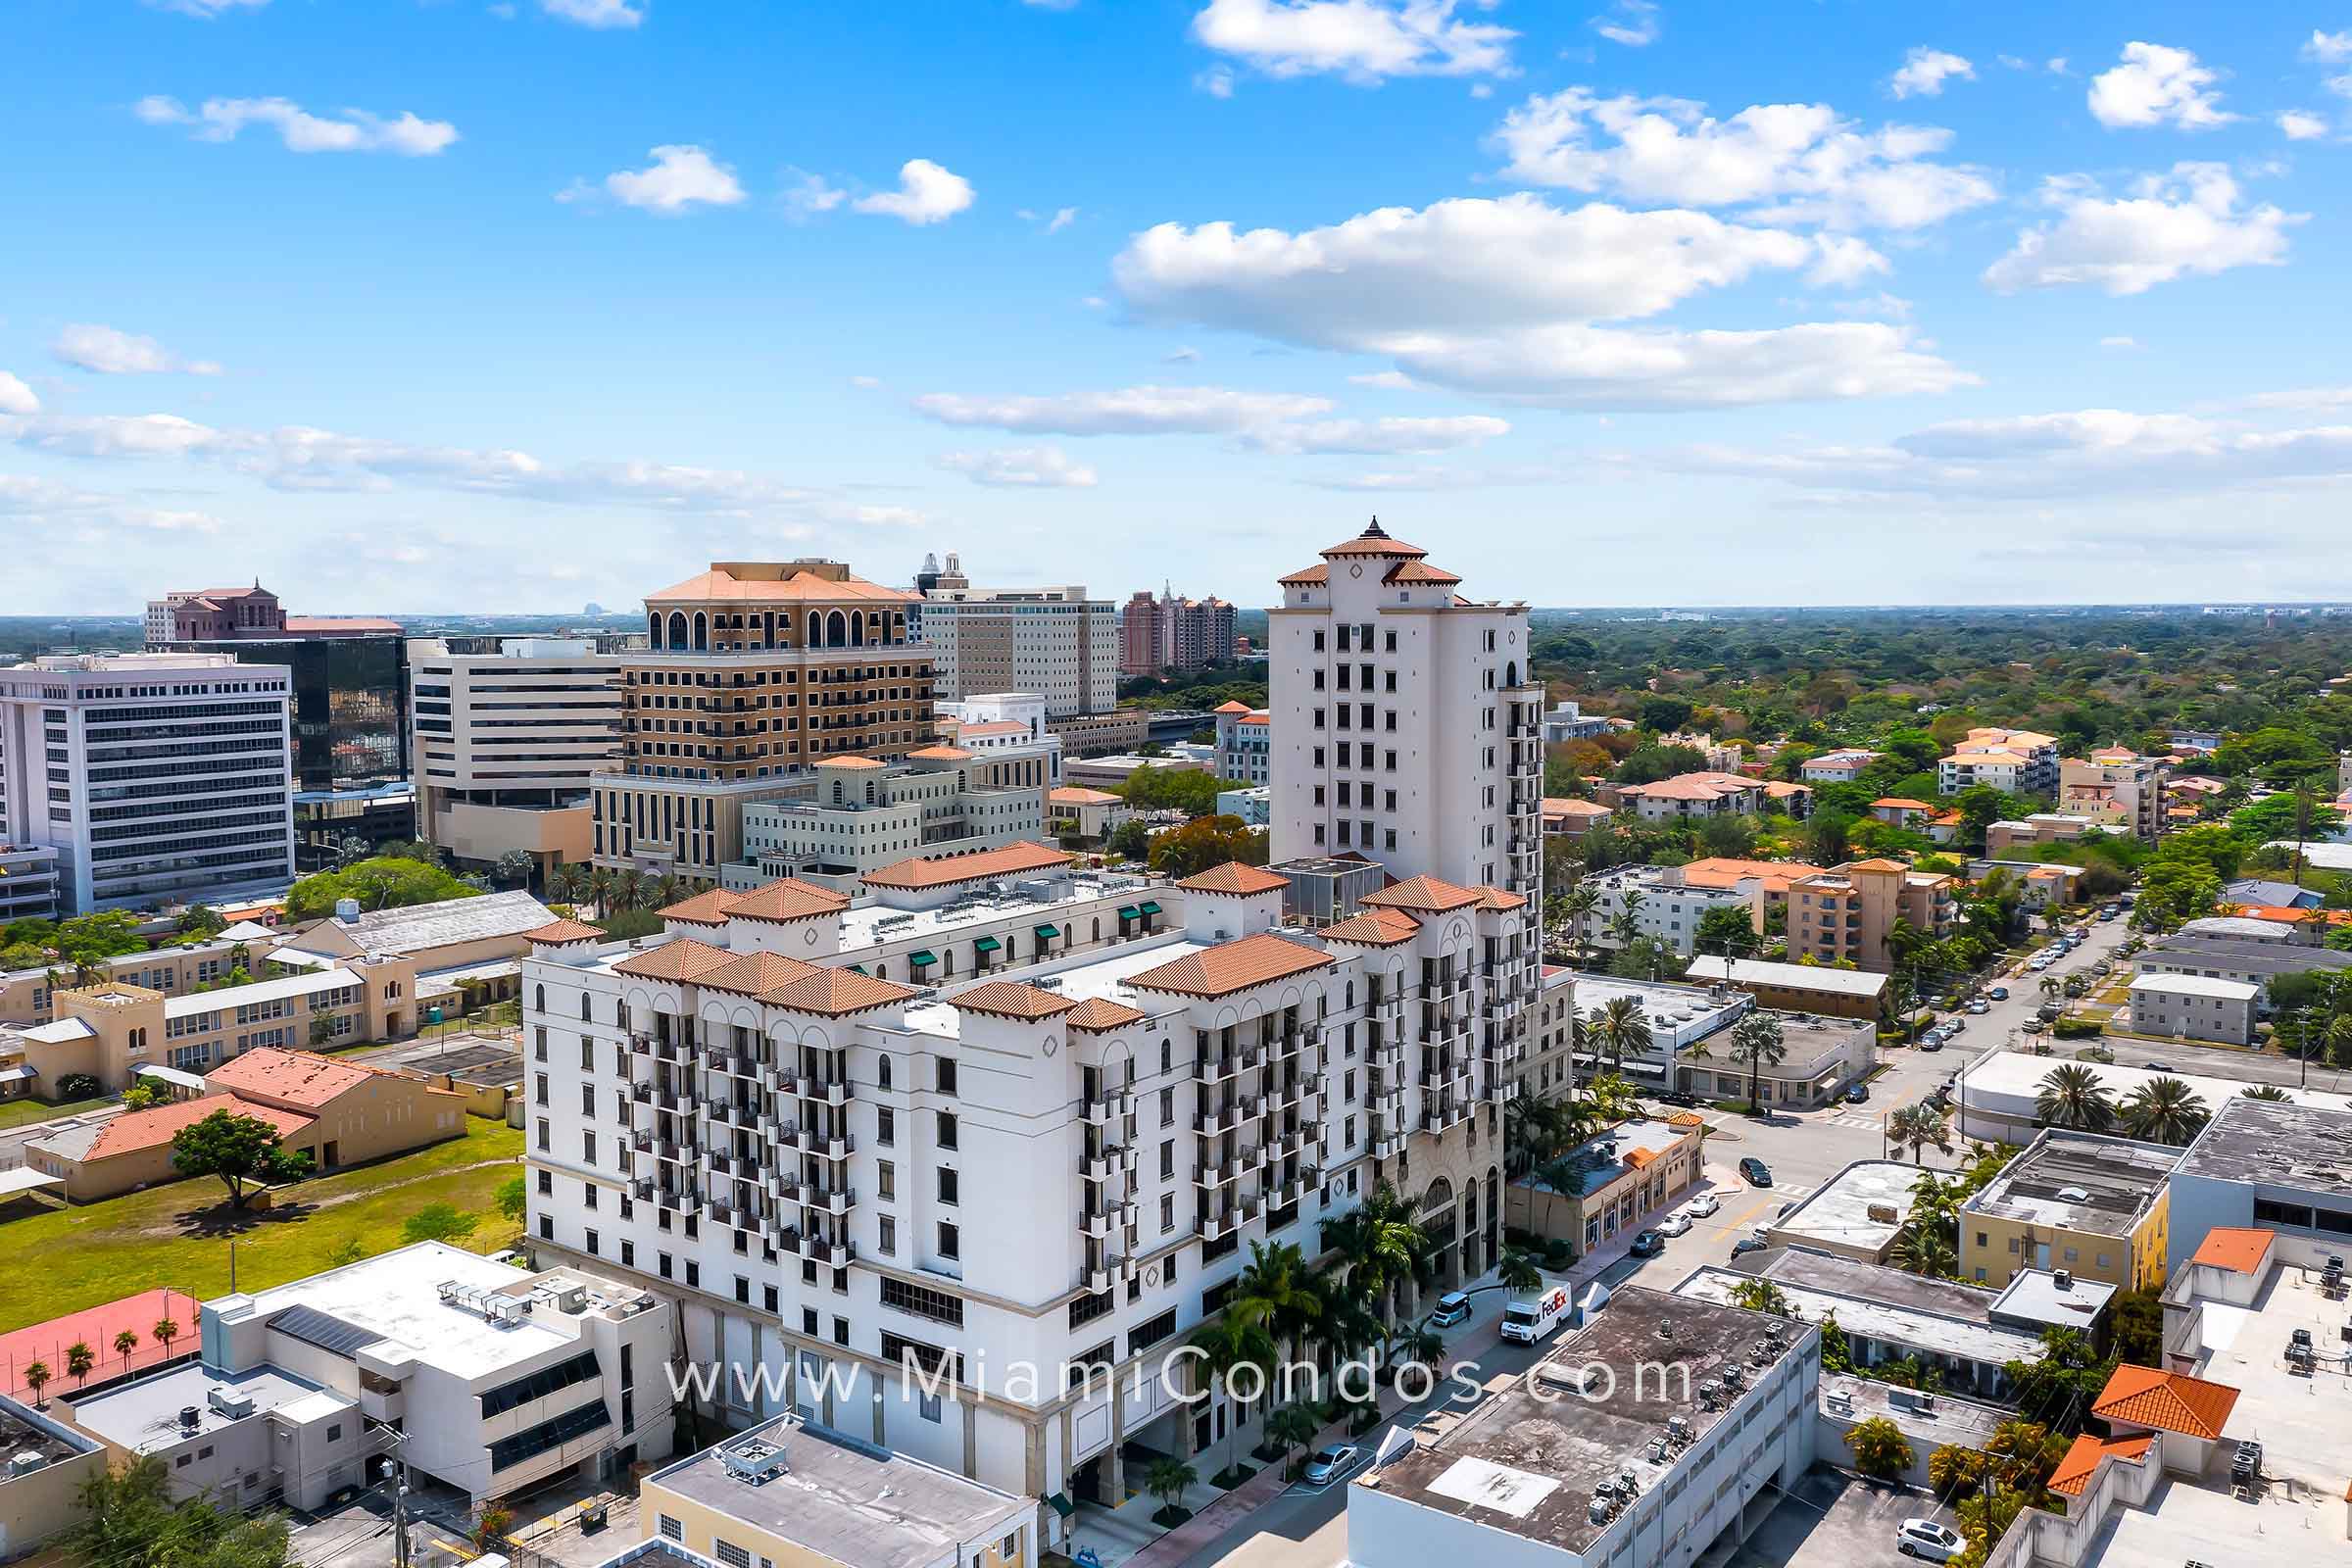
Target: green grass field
{"x": 23, "y": 1112}
{"x": 64, "y": 1259}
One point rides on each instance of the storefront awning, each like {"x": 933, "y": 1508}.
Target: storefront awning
{"x": 1646, "y": 1069}
{"x": 856, "y": 969}
{"x": 1148, "y": 909}
{"x": 918, "y": 959}
{"x": 1060, "y": 1503}
{"x": 1128, "y": 912}
{"x": 1047, "y": 933}
{"x": 19, "y": 1073}
{"x": 987, "y": 945}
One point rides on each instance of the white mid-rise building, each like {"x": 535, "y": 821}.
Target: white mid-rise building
{"x": 1055, "y": 642}
{"x": 1662, "y": 906}
{"x": 153, "y": 777}
{"x": 858, "y": 815}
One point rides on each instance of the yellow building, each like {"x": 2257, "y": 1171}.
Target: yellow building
{"x": 2093, "y": 1206}
{"x": 789, "y": 1495}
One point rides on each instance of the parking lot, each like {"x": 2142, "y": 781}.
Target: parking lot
{"x": 1831, "y": 1518}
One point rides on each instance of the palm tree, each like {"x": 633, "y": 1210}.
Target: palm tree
{"x": 1921, "y": 1248}
{"x": 628, "y": 891}
{"x": 1234, "y": 1341}
{"x": 2073, "y": 1096}
{"x": 36, "y": 1378}
{"x": 1762, "y": 1296}
{"x": 79, "y": 1359}
{"x": 125, "y": 1343}
{"x": 1518, "y": 1271}
{"x": 2266, "y": 1092}
{"x": 568, "y": 884}
{"x": 1905, "y": 944}
{"x": 1626, "y": 924}
{"x": 1918, "y": 1127}
{"x": 1621, "y": 1026}
{"x": 1380, "y": 1247}
{"x": 600, "y": 888}
{"x": 1277, "y": 1281}
{"x": 1291, "y": 1429}
{"x": 164, "y": 1332}
{"x": 666, "y": 890}
{"x": 1756, "y": 1041}
{"x": 1169, "y": 1480}
{"x": 1578, "y": 905}
{"x": 2164, "y": 1110}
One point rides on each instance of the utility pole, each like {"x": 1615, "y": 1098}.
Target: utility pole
{"x": 400, "y": 1502}
{"x": 232, "y": 1268}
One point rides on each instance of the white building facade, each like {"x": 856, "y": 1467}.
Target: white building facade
{"x": 153, "y": 775}
{"x": 1054, "y": 641}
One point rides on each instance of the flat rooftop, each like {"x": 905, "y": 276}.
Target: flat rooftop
{"x": 2299, "y": 1421}
{"x": 392, "y": 1305}
{"x": 24, "y": 1429}
{"x": 867, "y": 924}
{"x": 2276, "y": 1143}
{"x": 1857, "y": 983}
{"x": 1095, "y": 973}
{"x": 2004, "y": 1082}
{"x": 2080, "y": 1182}
{"x": 143, "y": 1416}
{"x": 1681, "y": 1014}
{"x": 849, "y": 1501}
{"x": 1529, "y": 1466}
{"x": 1953, "y": 1421}
{"x": 1618, "y": 1151}
{"x": 1840, "y": 1210}
{"x": 1883, "y": 1310}
{"x": 2249, "y": 957}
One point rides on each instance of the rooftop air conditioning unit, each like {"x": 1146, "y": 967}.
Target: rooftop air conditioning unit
{"x": 24, "y": 1462}
{"x": 231, "y": 1403}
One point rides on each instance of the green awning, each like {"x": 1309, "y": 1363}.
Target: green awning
{"x": 1128, "y": 912}
{"x": 1148, "y": 909}
{"x": 987, "y": 945}
{"x": 1051, "y": 933}
{"x": 1061, "y": 1504}
{"x": 856, "y": 969}
{"x": 918, "y": 959}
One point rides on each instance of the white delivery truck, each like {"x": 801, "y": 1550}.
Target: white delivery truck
{"x": 1529, "y": 1321}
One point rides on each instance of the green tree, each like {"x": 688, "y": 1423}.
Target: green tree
{"x": 323, "y": 1030}
{"x": 126, "y": 1343}
{"x": 1233, "y": 1343}
{"x": 37, "y": 1376}
{"x": 164, "y": 1332}
{"x": 2072, "y": 1096}
{"x": 1205, "y": 841}
{"x": 1762, "y": 1296}
{"x": 1921, "y": 1248}
{"x": 241, "y": 1150}
{"x": 1182, "y": 789}
{"x": 511, "y": 1199}
{"x": 513, "y": 868}
{"x": 1879, "y": 1448}
{"x": 1727, "y": 930}
{"x": 1757, "y": 1042}
{"x": 1518, "y": 1270}
{"x": 1130, "y": 840}
{"x": 1620, "y": 1029}
{"x": 439, "y": 1222}
{"x": 1918, "y": 1127}
{"x": 1169, "y": 1480}
{"x": 385, "y": 882}
{"x": 79, "y": 1359}
{"x": 2162, "y": 1110}
{"x": 1291, "y": 1429}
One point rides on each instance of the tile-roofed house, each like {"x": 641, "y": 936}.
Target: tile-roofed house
{"x": 2169, "y": 1402}
{"x": 1235, "y": 878}
{"x": 683, "y": 958}
{"x": 786, "y": 901}
{"x": 1497, "y": 898}
{"x": 300, "y": 1078}
{"x": 1425, "y": 894}
{"x": 2237, "y": 1248}
{"x": 1101, "y": 1016}
{"x": 708, "y": 908}
{"x": 850, "y": 762}
{"x": 835, "y": 992}
{"x": 1078, "y": 795}
{"x": 1012, "y": 859}
{"x": 563, "y": 933}
{"x": 1375, "y": 928}
{"x": 753, "y": 974}
{"x": 141, "y": 1130}
{"x": 1230, "y": 966}
{"x": 1009, "y": 999}
{"x": 2082, "y": 1461}
{"x": 940, "y": 754}
{"x": 1230, "y": 707}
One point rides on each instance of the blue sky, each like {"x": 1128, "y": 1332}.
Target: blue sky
{"x": 440, "y": 306}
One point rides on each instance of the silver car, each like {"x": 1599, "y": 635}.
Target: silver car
{"x": 1334, "y": 1460}
{"x": 1927, "y": 1539}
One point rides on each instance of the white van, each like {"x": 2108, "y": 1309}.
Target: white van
{"x": 1529, "y": 1321}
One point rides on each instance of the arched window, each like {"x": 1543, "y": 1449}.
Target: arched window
{"x": 677, "y": 629}
{"x": 585, "y": 1016}
{"x": 1351, "y": 994}
{"x": 653, "y": 629}
{"x": 1510, "y": 673}
{"x": 768, "y": 626}
{"x": 702, "y": 633}
{"x": 542, "y": 1005}
{"x": 857, "y": 629}
{"x": 1098, "y": 935}
{"x": 882, "y": 1074}
{"x": 837, "y": 633}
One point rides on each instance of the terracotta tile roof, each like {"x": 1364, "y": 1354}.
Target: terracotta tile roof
{"x": 1640, "y": 1159}
{"x": 1010, "y": 861}
{"x": 1424, "y": 893}
{"x": 750, "y": 974}
{"x": 1874, "y": 865}
{"x": 1569, "y": 806}
{"x": 995, "y": 726}
{"x": 562, "y": 932}
{"x": 1009, "y": 999}
{"x": 848, "y": 761}
{"x": 680, "y": 959}
{"x": 1499, "y": 898}
{"x": 136, "y": 1130}
{"x": 1230, "y": 707}
{"x": 834, "y": 992}
{"x": 704, "y": 909}
{"x": 2082, "y": 1461}
{"x": 1231, "y": 966}
{"x": 1306, "y": 576}
{"x": 1373, "y": 541}
{"x": 1419, "y": 571}
{"x": 786, "y": 899}
{"x": 1702, "y": 786}
{"x": 1075, "y": 795}
{"x": 1100, "y": 1014}
{"x": 800, "y": 585}
{"x": 1902, "y": 803}
{"x": 2237, "y": 1249}
{"x": 941, "y": 753}
{"x": 304, "y": 1077}
{"x": 1725, "y": 870}
{"x": 1376, "y": 928}
{"x": 2170, "y": 1401}
{"x": 1235, "y": 877}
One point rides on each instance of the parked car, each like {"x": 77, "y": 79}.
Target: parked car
{"x": 1755, "y": 1172}
{"x": 1748, "y": 1243}
{"x": 1932, "y": 1042}
{"x": 1682, "y": 1098}
{"x": 1998, "y": 993}
{"x": 1704, "y": 1204}
{"x": 1333, "y": 1460}
{"x": 1858, "y": 1094}
{"x": 1980, "y": 1007}
{"x": 1926, "y": 1539}
{"x": 1674, "y": 1225}
{"x": 1649, "y": 1243}
{"x": 1453, "y": 1307}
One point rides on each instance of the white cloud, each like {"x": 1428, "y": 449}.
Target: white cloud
{"x": 1924, "y": 72}
{"x": 1061, "y": 219}
{"x": 599, "y": 14}
{"x": 2329, "y": 48}
{"x": 926, "y": 194}
{"x": 2301, "y": 126}
{"x": 865, "y": 383}
{"x": 1216, "y": 82}
{"x": 16, "y": 397}
{"x": 1879, "y": 306}
{"x": 2186, "y": 223}
{"x": 1187, "y": 355}
{"x": 810, "y": 194}
{"x": 2014, "y": 62}
{"x": 1128, "y": 411}
{"x": 2119, "y": 343}
{"x": 1387, "y": 382}
{"x": 109, "y": 352}
{"x": 1019, "y": 468}
{"x": 1381, "y": 438}
{"x": 356, "y": 131}
{"x": 1362, "y": 41}
{"x": 2057, "y": 65}
{"x": 680, "y": 178}
{"x": 1801, "y": 162}
{"x": 2157, "y": 85}
{"x": 1844, "y": 261}
{"x": 93, "y": 513}
{"x": 1631, "y": 23}
{"x": 1498, "y": 298}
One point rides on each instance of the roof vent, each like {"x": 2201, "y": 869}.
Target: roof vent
{"x": 2062, "y": 1279}
{"x": 2075, "y": 1194}
{"x": 231, "y": 1403}
{"x": 755, "y": 1461}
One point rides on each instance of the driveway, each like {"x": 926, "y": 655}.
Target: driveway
{"x": 1830, "y": 1517}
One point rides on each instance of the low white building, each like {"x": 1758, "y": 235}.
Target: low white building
{"x": 2194, "y": 1006}
{"x": 1663, "y": 905}
{"x": 1664, "y": 1427}
{"x": 1994, "y": 1100}
{"x": 857, "y": 815}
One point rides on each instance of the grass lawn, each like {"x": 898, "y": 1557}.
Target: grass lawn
{"x": 68, "y": 1258}
{"x": 22, "y": 1113}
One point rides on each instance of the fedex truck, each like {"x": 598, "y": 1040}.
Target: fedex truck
{"x": 1529, "y": 1321}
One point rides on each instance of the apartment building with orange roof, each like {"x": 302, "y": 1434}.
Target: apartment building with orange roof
{"x": 1849, "y": 911}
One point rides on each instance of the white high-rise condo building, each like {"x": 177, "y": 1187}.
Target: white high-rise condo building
{"x": 153, "y": 777}
{"x": 1055, "y": 642}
